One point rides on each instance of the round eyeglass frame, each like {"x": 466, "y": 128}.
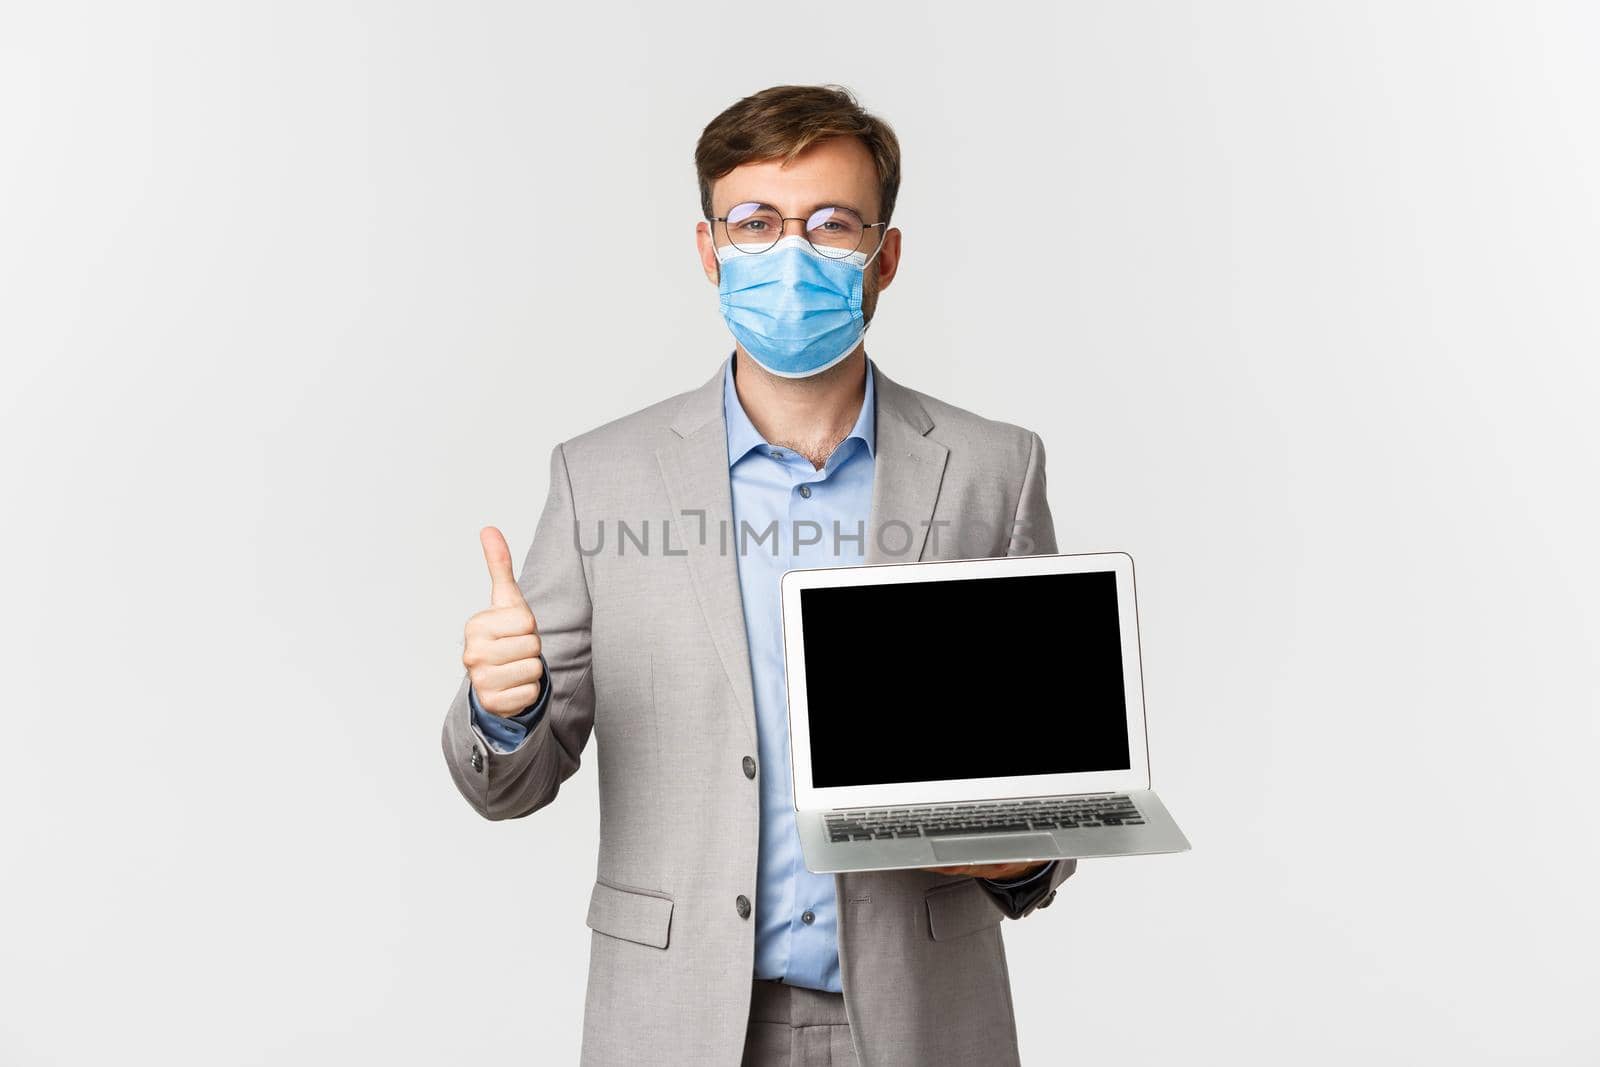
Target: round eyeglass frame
{"x": 830, "y": 251}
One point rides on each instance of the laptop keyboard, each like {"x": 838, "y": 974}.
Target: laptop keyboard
{"x": 991, "y": 817}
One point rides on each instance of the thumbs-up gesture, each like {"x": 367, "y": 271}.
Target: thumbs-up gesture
{"x": 502, "y": 646}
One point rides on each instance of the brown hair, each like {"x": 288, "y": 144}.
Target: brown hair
{"x": 781, "y": 122}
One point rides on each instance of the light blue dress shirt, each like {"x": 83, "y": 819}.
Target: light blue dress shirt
{"x": 816, "y": 518}
{"x": 786, "y": 514}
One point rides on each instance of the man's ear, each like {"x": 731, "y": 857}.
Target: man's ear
{"x": 708, "y": 252}
{"x": 888, "y": 261}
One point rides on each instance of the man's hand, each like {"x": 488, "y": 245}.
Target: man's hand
{"x": 992, "y": 870}
{"x": 502, "y": 646}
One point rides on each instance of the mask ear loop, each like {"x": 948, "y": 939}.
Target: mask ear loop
{"x": 716, "y": 249}
{"x": 881, "y": 242}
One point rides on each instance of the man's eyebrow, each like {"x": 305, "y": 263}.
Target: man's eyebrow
{"x": 810, "y": 210}
{"x": 833, "y": 203}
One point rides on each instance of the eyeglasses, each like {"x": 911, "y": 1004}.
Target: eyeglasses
{"x": 835, "y": 232}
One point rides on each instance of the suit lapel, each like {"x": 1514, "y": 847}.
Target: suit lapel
{"x": 695, "y": 469}
{"x": 908, "y": 468}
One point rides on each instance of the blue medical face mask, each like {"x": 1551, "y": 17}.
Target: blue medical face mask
{"x": 796, "y": 311}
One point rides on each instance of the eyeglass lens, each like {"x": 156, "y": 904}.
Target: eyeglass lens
{"x": 832, "y": 231}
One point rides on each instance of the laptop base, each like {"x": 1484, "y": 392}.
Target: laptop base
{"x": 1159, "y": 834}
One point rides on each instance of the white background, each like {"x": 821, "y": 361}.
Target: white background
{"x": 294, "y": 297}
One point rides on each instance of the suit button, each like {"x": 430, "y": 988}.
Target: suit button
{"x": 477, "y": 759}
{"x": 741, "y": 904}
{"x": 1048, "y": 897}
{"x": 749, "y": 767}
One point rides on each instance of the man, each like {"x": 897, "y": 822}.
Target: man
{"x": 647, "y": 613}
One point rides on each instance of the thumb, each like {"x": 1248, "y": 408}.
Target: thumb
{"x": 503, "y": 592}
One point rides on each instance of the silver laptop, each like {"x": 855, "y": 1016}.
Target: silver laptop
{"x": 969, "y": 711}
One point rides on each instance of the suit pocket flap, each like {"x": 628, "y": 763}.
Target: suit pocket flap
{"x": 960, "y": 909}
{"x": 631, "y": 914}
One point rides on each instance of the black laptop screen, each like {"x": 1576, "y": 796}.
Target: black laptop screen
{"x": 964, "y": 678}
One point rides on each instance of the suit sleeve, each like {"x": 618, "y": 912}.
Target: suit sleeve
{"x": 1033, "y": 532}
{"x": 517, "y": 782}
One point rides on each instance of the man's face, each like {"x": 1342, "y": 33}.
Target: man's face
{"x": 837, "y": 172}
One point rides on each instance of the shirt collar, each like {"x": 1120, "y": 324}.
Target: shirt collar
{"x": 743, "y": 435}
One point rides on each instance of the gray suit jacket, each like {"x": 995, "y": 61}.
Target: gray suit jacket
{"x": 647, "y": 651}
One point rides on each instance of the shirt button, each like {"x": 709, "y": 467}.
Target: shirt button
{"x": 749, "y": 767}
{"x": 805, "y": 491}
{"x": 808, "y": 917}
{"x": 775, "y": 454}
{"x": 741, "y": 904}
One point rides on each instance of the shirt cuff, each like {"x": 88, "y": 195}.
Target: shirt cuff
{"x": 507, "y": 733}
{"x": 1012, "y": 883}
